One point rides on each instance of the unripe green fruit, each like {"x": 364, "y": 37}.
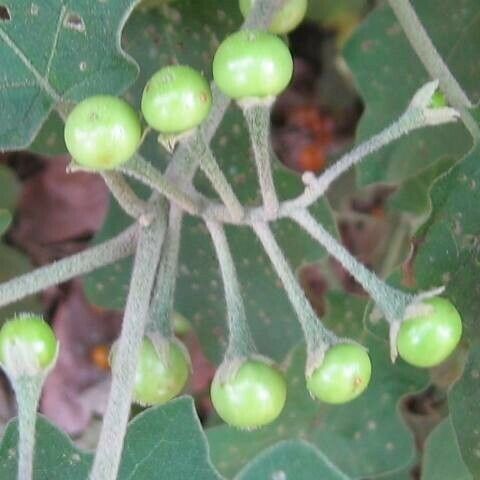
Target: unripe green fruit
{"x": 254, "y": 397}
{"x": 27, "y": 345}
{"x": 252, "y": 64}
{"x": 176, "y": 99}
{"x": 102, "y": 132}
{"x": 343, "y": 375}
{"x": 427, "y": 340}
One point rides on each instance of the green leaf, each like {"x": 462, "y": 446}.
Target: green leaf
{"x": 5, "y": 220}
{"x": 363, "y": 438}
{"x": 9, "y": 188}
{"x": 291, "y": 459}
{"x": 448, "y": 254}
{"x": 388, "y": 72}
{"x": 53, "y": 53}
{"x": 14, "y": 263}
{"x": 448, "y": 250}
{"x": 167, "y": 443}
{"x": 465, "y": 411}
{"x": 56, "y": 458}
{"x": 49, "y": 140}
{"x": 413, "y": 196}
{"x": 442, "y": 457}
{"x": 199, "y": 294}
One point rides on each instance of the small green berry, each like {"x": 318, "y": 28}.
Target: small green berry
{"x": 252, "y": 64}
{"x": 102, "y": 132}
{"x": 343, "y": 375}
{"x": 28, "y": 345}
{"x": 176, "y": 99}
{"x": 254, "y": 397}
{"x": 427, "y": 340}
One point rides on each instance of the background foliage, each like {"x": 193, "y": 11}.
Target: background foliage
{"x": 56, "y": 53}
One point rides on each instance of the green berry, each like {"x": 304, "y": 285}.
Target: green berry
{"x": 428, "y": 339}
{"x": 286, "y": 19}
{"x": 343, "y": 375}
{"x": 102, "y": 132}
{"x": 27, "y": 345}
{"x": 176, "y": 99}
{"x": 254, "y": 397}
{"x": 159, "y": 380}
{"x": 251, "y": 64}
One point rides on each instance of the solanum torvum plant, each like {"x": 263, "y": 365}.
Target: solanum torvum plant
{"x": 180, "y": 109}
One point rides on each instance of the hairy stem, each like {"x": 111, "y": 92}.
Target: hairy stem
{"x": 124, "y": 195}
{"x": 391, "y": 301}
{"x": 109, "y": 449}
{"x": 240, "y": 341}
{"x": 433, "y": 62}
{"x": 27, "y": 392}
{"x": 414, "y": 118}
{"x": 94, "y": 257}
{"x": 316, "y": 335}
{"x": 143, "y": 171}
{"x": 200, "y": 150}
{"x": 161, "y": 306}
{"x": 258, "y": 121}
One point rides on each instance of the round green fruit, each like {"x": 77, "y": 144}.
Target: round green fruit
{"x": 251, "y": 64}
{"x": 102, "y": 132}
{"x": 286, "y": 19}
{"x": 31, "y": 340}
{"x": 343, "y": 375}
{"x": 253, "y": 397}
{"x": 176, "y": 99}
{"x": 156, "y": 381}
{"x": 427, "y": 340}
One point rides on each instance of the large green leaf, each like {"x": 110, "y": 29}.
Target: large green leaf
{"x": 442, "y": 457}
{"x": 388, "y": 72}
{"x": 448, "y": 254}
{"x": 167, "y": 443}
{"x": 56, "y": 458}
{"x": 55, "y": 52}
{"x": 363, "y": 438}
{"x": 291, "y": 459}
{"x": 465, "y": 411}
{"x": 200, "y": 291}
{"x": 162, "y": 443}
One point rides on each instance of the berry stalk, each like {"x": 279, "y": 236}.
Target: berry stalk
{"x": 240, "y": 341}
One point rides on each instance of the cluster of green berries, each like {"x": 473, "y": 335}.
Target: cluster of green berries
{"x": 103, "y": 132}
{"x": 255, "y": 393}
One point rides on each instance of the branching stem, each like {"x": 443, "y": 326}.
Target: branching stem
{"x": 124, "y": 195}
{"x": 143, "y": 171}
{"x": 162, "y": 304}
{"x": 109, "y": 449}
{"x": 391, "y": 301}
{"x": 414, "y": 118}
{"x": 258, "y": 121}
{"x": 316, "y": 335}
{"x": 240, "y": 341}
{"x": 90, "y": 259}
{"x": 201, "y": 152}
